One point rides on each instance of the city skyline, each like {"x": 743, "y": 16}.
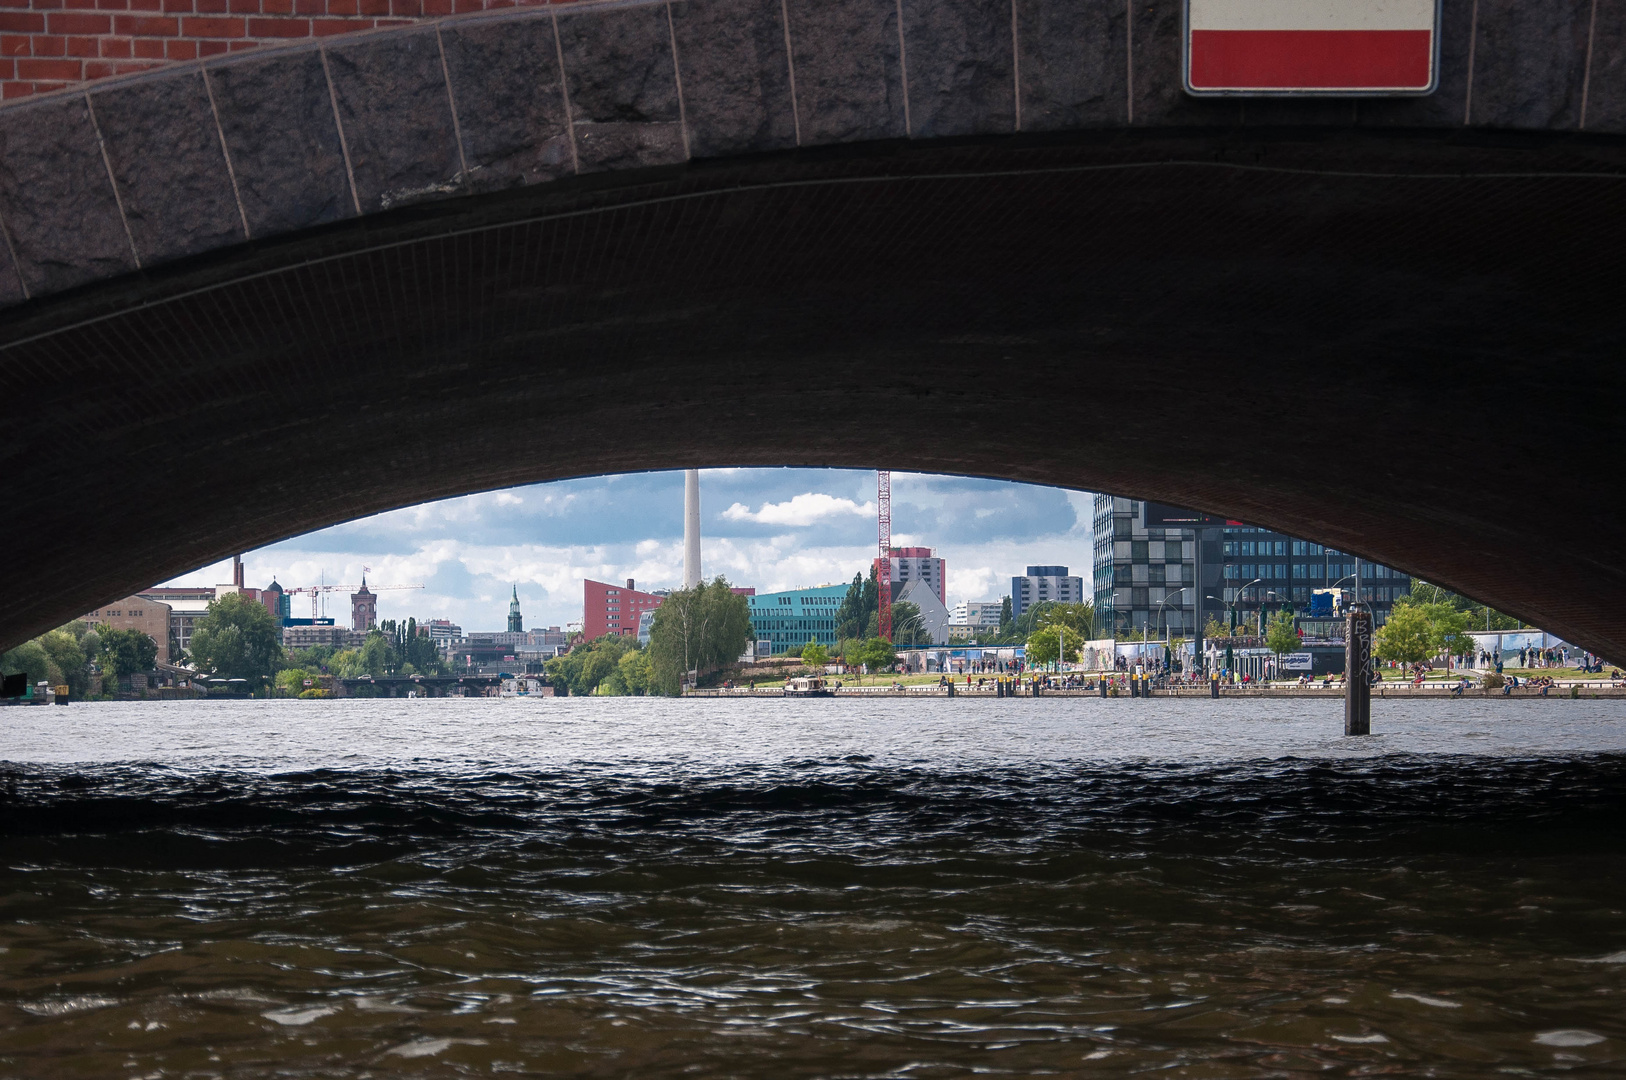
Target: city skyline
{"x": 768, "y": 528}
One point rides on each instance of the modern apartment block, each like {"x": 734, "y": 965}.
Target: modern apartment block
{"x": 976, "y": 614}
{"x": 1152, "y": 578}
{"x": 916, "y": 564}
{"x": 613, "y": 609}
{"x": 1045, "y": 583}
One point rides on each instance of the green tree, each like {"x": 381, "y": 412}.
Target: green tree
{"x": 1049, "y": 642}
{"x": 908, "y": 628}
{"x": 586, "y": 667}
{"x": 814, "y": 655}
{"x": 1079, "y": 617}
{"x": 377, "y": 657}
{"x": 66, "y": 647}
{"x": 312, "y": 657}
{"x": 635, "y": 671}
{"x": 878, "y": 653}
{"x": 1448, "y": 630}
{"x": 237, "y": 639}
{"x": 860, "y": 607}
{"x": 290, "y": 682}
{"x": 699, "y": 629}
{"x": 1282, "y": 638}
{"x": 125, "y": 652}
{"x": 30, "y": 658}
{"x": 1406, "y": 638}
{"x": 1216, "y": 629}
{"x": 1005, "y": 618}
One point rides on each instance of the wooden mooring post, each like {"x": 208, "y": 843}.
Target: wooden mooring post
{"x": 1358, "y": 673}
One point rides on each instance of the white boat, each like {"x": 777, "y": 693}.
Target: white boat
{"x": 808, "y": 686}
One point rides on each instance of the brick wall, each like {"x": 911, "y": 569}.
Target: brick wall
{"x": 50, "y": 44}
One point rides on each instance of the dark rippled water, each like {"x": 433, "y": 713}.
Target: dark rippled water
{"x": 626, "y": 888}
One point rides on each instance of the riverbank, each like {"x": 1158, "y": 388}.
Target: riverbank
{"x": 1399, "y": 691}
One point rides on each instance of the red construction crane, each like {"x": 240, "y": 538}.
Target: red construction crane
{"x": 883, "y": 568}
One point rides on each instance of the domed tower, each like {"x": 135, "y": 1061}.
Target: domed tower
{"x": 516, "y": 625}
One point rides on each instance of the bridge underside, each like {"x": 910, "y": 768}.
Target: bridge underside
{"x": 1407, "y": 345}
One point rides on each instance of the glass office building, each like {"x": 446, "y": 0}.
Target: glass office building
{"x": 797, "y": 616}
{"x": 1148, "y": 579}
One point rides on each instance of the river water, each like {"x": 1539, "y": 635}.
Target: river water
{"x": 838, "y": 888}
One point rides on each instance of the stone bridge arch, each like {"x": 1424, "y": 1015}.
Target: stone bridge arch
{"x": 266, "y": 292}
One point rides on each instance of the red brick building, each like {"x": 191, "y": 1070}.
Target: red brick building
{"x": 50, "y": 44}
{"x": 614, "y": 609}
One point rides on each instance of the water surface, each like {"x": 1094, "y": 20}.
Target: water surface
{"x": 925, "y": 888}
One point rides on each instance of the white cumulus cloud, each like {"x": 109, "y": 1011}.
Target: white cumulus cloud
{"x": 803, "y": 509}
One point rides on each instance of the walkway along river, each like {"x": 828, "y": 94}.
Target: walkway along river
{"x": 851, "y": 887}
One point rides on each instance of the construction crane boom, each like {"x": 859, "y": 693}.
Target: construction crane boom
{"x": 316, "y": 592}
{"x": 883, "y": 569}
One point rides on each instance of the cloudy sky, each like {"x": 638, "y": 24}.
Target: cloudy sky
{"x": 770, "y": 528}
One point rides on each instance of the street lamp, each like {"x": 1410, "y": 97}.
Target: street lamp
{"x": 1166, "y": 598}
{"x": 1239, "y": 593}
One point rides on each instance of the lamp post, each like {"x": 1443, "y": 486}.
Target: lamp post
{"x": 1167, "y": 596}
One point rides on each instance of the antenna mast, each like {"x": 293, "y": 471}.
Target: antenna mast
{"x": 883, "y": 569}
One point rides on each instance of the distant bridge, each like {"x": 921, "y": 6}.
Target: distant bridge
{"x": 260, "y": 294}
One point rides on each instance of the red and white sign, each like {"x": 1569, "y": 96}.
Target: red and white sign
{"x": 1311, "y": 46}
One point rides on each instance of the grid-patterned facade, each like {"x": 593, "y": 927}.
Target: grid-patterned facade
{"x": 1149, "y": 579}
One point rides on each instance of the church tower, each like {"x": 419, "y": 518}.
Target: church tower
{"x": 516, "y": 625}
{"x": 363, "y": 608}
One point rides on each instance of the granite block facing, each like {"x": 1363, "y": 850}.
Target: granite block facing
{"x": 11, "y": 283}
{"x": 1444, "y": 107}
{"x": 1605, "y": 90}
{"x": 960, "y": 57}
{"x": 510, "y": 101}
{"x": 735, "y": 75}
{"x": 277, "y": 116}
{"x": 622, "y": 87}
{"x": 56, "y": 197}
{"x": 165, "y": 151}
{"x": 1529, "y": 61}
{"x": 1157, "y": 81}
{"x": 1073, "y": 63}
{"x": 396, "y": 117}
{"x": 849, "y": 75}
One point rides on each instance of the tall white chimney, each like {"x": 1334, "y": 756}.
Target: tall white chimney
{"x": 691, "y": 528}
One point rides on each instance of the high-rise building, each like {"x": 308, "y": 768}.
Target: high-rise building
{"x": 1160, "y": 579}
{"x": 916, "y": 564}
{"x": 1044, "y": 584}
{"x": 613, "y": 609}
{"x": 515, "y": 623}
{"x": 796, "y": 616}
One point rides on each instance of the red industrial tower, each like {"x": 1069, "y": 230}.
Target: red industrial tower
{"x": 883, "y": 484}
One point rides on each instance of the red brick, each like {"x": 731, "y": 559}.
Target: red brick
{"x": 211, "y": 48}
{"x": 78, "y": 22}
{"x": 372, "y": 7}
{"x": 329, "y": 27}
{"x": 239, "y": 46}
{"x": 47, "y": 87}
{"x": 148, "y": 48}
{"x": 70, "y": 70}
{"x": 13, "y": 3}
{"x": 393, "y": 22}
{"x": 178, "y": 7}
{"x": 180, "y": 49}
{"x": 245, "y": 7}
{"x": 279, "y": 28}
{"x": 406, "y": 8}
{"x": 115, "y": 48}
{"x": 341, "y": 7}
{"x": 80, "y": 5}
{"x": 310, "y": 7}
{"x": 84, "y": 46}
{"x": 113, "y": 5}
{"x": 210, "y": 7}
{"x": 8, "y": 69}
{"x": 21, "y": 22}
{"x": 16, "y": 45}
{"x": 146, "y": 5}
{"x": 202, "y": 27}
{"x": 146, "y": 25}
{"x": 17, "y": 90}
{"x": 50, "y": 45}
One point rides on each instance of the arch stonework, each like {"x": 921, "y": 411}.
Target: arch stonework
{"x": 268, "y": 292}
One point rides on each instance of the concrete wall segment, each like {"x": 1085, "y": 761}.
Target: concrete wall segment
{"x": 961, "y": 66}
{"x": 277, "y": 119}
{"x": 57, "y": 200}
{"x": 396, "y": 117}
{"x": 1073, "y": 61}
{"x": 621, "y": 81}
{"x": 165, "y": 152}
{"x": 1605, "y": 88}
{"x": 510, "y": 101}
{"x": 735, "y": 74}
{"x": 1529, "y": 63}
{"x": 849, "y": 70}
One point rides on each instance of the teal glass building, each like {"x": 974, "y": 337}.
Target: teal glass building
{"x": 792, "y": 618}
